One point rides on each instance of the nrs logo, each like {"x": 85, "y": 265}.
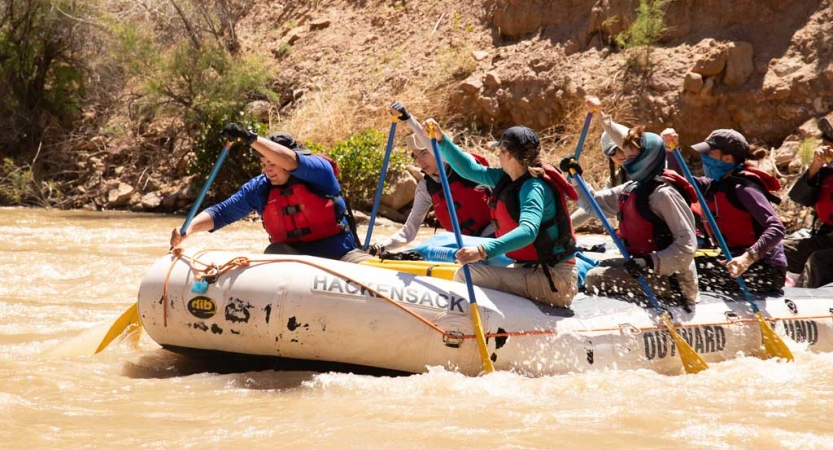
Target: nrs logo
{"x": 202, "y": 307}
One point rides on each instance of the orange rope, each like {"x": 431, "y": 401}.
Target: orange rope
{"x": 177, "y": 254}
{"x": 242, "y": 262}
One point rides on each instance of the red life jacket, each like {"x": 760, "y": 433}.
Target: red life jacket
{"x": 642, "y": 231}
{"x": 739, "y": 228}
{"x": 506, "y": 212}
{"x": 824, "y": 205}
{"x": 470, "y": 203}
{"x": 294, "y": 213}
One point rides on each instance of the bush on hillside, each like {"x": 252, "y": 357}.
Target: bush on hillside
{"x": 42, "y": 70}
{"x": 645, "y": 31}
{"x": 360, "y": 158}
{"x": 201, "y": 80}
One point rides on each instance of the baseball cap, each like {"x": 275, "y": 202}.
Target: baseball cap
{"x": 517, "y": 138}
{"x": 289, "y": 142}
{"x": 727, "y": 141}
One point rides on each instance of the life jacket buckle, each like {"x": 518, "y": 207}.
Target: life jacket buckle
{"x": 299, "y": 233}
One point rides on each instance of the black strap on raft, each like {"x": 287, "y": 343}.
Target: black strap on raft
{"x": 402, "y": 256}
{"x": 351, "y": 220}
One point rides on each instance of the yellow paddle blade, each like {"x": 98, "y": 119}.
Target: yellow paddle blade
{"x": 692, "y": 362}
{"x": 702, "y": 252}
{"x": 127, "y": 321}
{"x": 486, "y": 361}
{"x": 773, "y": 344}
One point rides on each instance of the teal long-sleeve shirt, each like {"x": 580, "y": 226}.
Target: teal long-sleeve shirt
{"x": 536, "y": 199}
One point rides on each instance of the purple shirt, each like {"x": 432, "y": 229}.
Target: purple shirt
{"x": 760, "y": 209}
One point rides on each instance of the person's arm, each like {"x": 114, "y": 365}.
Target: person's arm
{"x": 773, "y": 229}
{"x": 466, "y": 166}
{"x": 608, "y": 199}
{"x": 670, "y": 207}
{"x": 535, "y": 196}
{"x": 202, "y": 222}
{"x": 406, "y": 234}
{"x": 461, "y": 162}
{"x": 318, "y": 174}
{"x": 537, "y": 203}
{"x": 247, "y": 199}
{"x": 615, "y": 131}
{"x": 398, "y": 110}
{"x": 580, "y": 217}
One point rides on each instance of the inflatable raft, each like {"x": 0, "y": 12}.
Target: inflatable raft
{"x": 322, "y": 310}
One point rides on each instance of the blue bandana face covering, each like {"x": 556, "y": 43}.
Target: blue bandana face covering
{"x": 715, "y": 168}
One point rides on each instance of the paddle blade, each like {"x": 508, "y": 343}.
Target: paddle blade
{"x": 128, "y": 321}
{"x": 485, "y": 360}
{"x": 773, "y": 344}
{"x": 692, "y": 362}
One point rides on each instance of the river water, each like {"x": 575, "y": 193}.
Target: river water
{"x": 65, "y": 276}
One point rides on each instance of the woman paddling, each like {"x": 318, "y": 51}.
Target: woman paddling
{"x": 739, "y": 198}
{"x": 530, "y": 215}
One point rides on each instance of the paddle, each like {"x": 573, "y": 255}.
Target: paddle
{"x": 380, "y": 185}
{"x": 583, "y": 135}
{"x": 130, "y": 318}
{"x": 773, "y": 344}
{"x": 452, "y": 212}
{"x": 692, "y": 362}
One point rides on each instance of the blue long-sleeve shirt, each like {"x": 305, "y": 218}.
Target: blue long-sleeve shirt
{"x": 537, "y": 201}
{"x": 318, "y": 175}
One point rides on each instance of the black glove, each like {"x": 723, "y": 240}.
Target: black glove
{"x": 375, "y": 250}
{"x": 234, "y": 132}
{"x": 403, "y": 113}
{"x": 637, "y": 267}
{"x": 569, "y": 162}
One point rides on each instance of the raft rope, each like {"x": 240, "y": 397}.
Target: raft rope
{"x": 240, "y": 262}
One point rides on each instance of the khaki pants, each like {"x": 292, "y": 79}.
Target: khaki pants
{"x": 812, "y": 257}
{"x": 611, "y": 279}
{"x": 529, "y": 282}
{"x": 355, "y": 256}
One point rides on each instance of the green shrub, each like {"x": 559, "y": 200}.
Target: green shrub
{"x": 207, "y": 86}
{"x": 360, "y": 159}
{"x": 42, "y": 69}
{"x": 806, "y": 150}
{"x": 15, "y": 183}
{"x": 645, "y": 31}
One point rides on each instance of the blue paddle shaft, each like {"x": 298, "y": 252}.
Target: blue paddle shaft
{"x": 606, "y": 223}
{"x": 452, "y": 212}
{"x": 380, "y": 186}
{"x": 715, "y": 231}
{"x": 196, "y": 206}
{"x": 583, "y": 135}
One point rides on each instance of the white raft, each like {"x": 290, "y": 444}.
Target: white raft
{"x": 317, "y": 309}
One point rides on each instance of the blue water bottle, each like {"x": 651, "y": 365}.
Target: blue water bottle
{"x": 439, "y": 254}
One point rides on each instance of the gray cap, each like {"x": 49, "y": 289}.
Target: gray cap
{"x": 608, "y": 146}
{"x": 727, "y": 141}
